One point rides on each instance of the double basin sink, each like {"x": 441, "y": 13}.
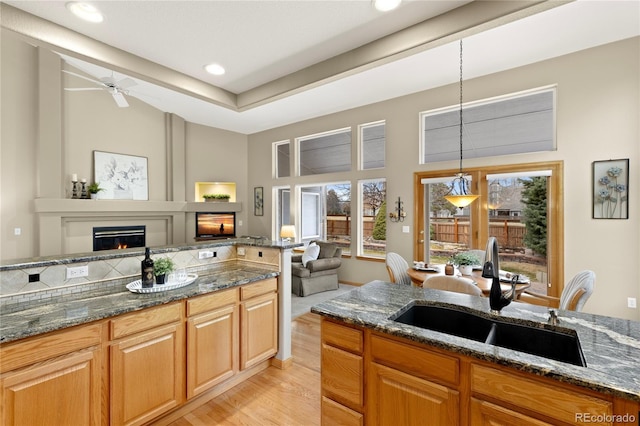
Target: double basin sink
{"x": 551, "y": 344}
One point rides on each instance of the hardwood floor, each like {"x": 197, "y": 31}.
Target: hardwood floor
{"x": 274, "y": 396}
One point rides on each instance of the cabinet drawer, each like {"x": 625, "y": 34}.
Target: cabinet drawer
{"x": 337, "y": 414}
{"x": 343, "y": 337}
{"x": 415, "y": 360}
{"x": 210, "y": 302}
{"x": 256, "y": 289}
{"x": 550, "y": 400}
{"x": 342, "y": 376}
{"x": 144, "y": 320}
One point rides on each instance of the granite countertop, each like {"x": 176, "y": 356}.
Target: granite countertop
{"x": 28, "y": 319}
{"x": 611, "y": 346}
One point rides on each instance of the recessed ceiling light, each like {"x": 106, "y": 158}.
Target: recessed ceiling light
{"x": 85, "y": 11}
{"x": 214, "y": 69}
{"x": 386, "y": 5}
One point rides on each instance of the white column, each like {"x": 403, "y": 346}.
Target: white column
{"x": 284, "y": 307}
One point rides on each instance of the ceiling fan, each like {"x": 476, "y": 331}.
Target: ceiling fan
{"x": 117, "y": 88}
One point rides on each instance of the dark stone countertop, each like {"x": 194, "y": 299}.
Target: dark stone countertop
{"x": 611, "y": 346}
{"x": 27, "y": 319}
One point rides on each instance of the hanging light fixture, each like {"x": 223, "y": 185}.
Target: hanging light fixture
{"x": 460, "y": 194}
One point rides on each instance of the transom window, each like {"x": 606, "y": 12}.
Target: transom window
{"x": 328, "y": 152}
{"x": 372, "y": 145}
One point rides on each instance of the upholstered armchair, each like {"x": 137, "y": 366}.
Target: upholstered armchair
{"x": 319, "y": 274}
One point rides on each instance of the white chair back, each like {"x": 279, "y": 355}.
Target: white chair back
{"x": 397, "y": 268}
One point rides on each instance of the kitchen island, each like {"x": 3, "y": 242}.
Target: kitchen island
{"x": 445, "y": 379}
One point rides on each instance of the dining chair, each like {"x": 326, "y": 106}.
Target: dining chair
{"x": 455, "y": 284}
{"x": 574, "y": 295}
{"x": 397, "y": 269}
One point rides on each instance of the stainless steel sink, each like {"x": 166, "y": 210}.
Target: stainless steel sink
{"x": 551, "y": 344}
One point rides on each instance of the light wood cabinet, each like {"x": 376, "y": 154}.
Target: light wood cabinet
{"x": 342, "y": 381}
{"x": 212, "y": 340}
{"x": 147, "y": 367}
{"x": 258, "y": 322}
{"x": 410, "y": 383}
{"x": 55, "y": 380}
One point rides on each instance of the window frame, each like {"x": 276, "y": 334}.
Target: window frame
{"x": 361, "y": 151}
{"x": 301, "y": 139}
{"x": 275, "y": 163}
{"x": 360, "y": 221}
{"x": 480, "y": 212}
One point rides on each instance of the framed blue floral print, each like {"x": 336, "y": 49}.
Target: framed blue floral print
{"x": 611, "y": 189}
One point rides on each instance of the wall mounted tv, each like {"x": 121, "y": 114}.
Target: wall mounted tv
{"x": 215, "y": 225}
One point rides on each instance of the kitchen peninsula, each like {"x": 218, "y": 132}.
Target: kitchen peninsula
{"x": 443, "y": 379}
{"x": 96, "y": 345}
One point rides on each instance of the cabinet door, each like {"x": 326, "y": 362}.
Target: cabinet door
{"x": 397, "y": 398}
{"x": 259, "y": 329}
{"x": 212, "y": 349}
{"x": 62, "y": 392}
{"x": 147, "y": 374}
{"x": 484, "y": 413}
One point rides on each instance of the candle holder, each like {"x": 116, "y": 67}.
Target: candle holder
{"x": 74, "y": 191}
{"x": 84, "y": 190}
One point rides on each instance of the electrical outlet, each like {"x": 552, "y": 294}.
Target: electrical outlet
{"x": 241, "y": 251}
{"x": 78, "y": 272}
{"x": 631, "y": 302}
{"x": 259, "y": 254}
{"x": 17, "y": 231}
{"x": 205, "y": 254}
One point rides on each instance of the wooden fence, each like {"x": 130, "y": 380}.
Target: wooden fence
{"x": 509, "y": 233}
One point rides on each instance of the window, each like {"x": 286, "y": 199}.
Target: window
{"x": 282, "y": 156}
{"x": 520, "y": 205}
{"x": 325, "y": 153}
{"x": 325, "y": 213}
{"x": 372, "y": 145}
{"x": 511, "y": 124}
{"x": 373, "y": 218}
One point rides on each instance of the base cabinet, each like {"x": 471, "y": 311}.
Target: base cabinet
{"x": 147, "y": 368}
{"x": 258, "y": 322}
{"x": 484, "y": 413}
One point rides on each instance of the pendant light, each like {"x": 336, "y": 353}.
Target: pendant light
{"x": 460, "y": 194}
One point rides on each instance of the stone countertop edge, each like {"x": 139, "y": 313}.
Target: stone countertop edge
{"x": 39, "y": 262}
{"x": 38, "y": 317}
{"x": 611, "y": 346}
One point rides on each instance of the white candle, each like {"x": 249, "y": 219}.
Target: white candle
{"x": 74, "y": 177}
{"x": 84, "y": 180}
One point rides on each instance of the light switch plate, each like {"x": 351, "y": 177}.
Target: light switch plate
{"x": 405, "y": 229}
{"x": 631, "y": 302}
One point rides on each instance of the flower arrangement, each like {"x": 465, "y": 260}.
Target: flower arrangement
{"x": 216, "y": 196}
{"x": 611, "y": 193}
{"x": 465, "y": 259}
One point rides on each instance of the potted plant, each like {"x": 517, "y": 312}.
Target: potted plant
{"x": 216, "y": 197}
{"x": 161, "y": 267}
{"x": 465, "y": 262}
{"x": 93, "y": 190}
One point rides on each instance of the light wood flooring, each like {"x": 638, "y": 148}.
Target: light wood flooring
{"x": 274, "y": 396}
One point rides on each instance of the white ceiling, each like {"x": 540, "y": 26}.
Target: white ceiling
{"x": 260, "y": 41}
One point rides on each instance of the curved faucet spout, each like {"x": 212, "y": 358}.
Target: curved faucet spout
{"x": 491, "y": 269}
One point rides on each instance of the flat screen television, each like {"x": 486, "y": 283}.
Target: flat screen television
{"x": 212, "y": 225}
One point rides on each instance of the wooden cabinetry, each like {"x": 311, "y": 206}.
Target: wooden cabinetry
{"x": 212, "y": 340}
{"x": 53, "y": 380}
{"x": 258, "y": 322}
{"x": 147, "y": 364}
{"x": 342, "y": 379}
{"x": 415, "y": 384}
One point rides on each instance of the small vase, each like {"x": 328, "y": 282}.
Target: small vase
{"x": 160, "y": 278}
{"x": 94, "y": 196}
{"x": 465, "y": 269}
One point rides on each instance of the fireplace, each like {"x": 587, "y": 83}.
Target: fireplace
{"x": 118, "y": 237}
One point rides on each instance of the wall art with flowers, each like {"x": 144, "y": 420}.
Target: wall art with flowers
{"x": 611, "y": 189}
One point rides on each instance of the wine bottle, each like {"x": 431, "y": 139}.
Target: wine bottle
{"x": 147, "y": 269}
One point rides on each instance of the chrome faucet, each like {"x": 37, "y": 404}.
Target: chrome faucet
{"x": 491, "y": 269}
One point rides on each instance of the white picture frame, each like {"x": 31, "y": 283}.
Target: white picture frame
{"x": 121, "y": 176}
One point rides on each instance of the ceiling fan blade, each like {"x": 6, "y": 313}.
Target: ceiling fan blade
{"x": 120, "y": 99}
{"x": 83, "y": 77}
{"x": 126, "y": 83}
{"x": 77, "y": 89}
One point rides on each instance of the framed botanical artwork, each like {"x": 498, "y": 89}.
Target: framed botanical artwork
{"x": 611, "y": 189}
{"x": 258, "y": 201}
{"x": 121, "y": 176}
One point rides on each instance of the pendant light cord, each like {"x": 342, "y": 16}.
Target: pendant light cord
{"x": 460, "y": 106}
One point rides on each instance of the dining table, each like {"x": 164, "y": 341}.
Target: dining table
{"x": 418, "y": 275}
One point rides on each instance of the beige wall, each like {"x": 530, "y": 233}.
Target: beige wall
{"x": 39, "y": 152}
{"x": 598, "y": 96}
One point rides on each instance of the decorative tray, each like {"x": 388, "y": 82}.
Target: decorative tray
{"x": 136, "y": 286}
{"x": 427, "y": 269}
